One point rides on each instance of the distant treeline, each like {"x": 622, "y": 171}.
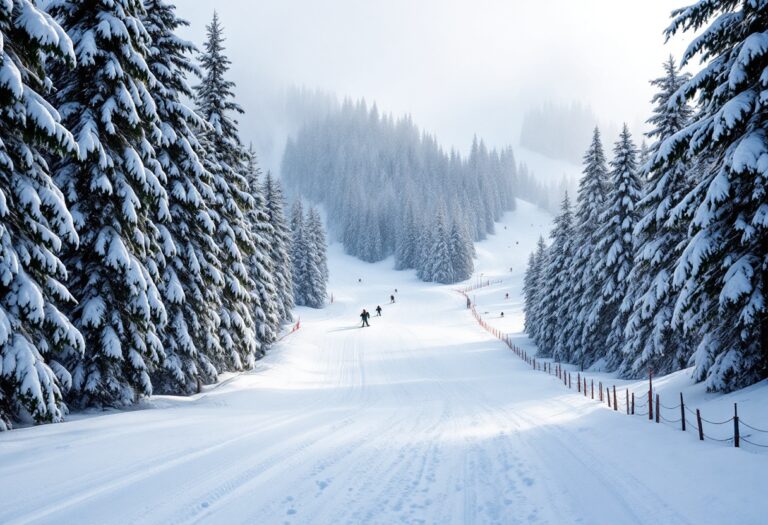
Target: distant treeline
{"x": 391, "y": 189}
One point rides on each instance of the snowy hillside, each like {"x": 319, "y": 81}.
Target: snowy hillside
{"x": 421, "y": 418}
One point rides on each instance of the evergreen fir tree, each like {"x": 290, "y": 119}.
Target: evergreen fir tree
{"x": 225, "y": 159}
{"x": 554, "y": 307}
{"x": 280, "y": 244}
{"x": 650, "y": 298}
{"x": 406, "y": 245}
{"x": 300, "y": 253}
{"x": 116, "y": 197}
{"x": 461, "y": 251}
{"x": 722, "y": 270}
{"x": 315, "y": 261}
{"x": 537, "y": 313}
{"x": 190, "y": 253}
{"x": 529, "y": 283}
{"x": 424, "y": 256}
{"x": 261, "y": 266}
{"x": 615, "y": 248}
{"x": 34, "y": 222}
{"x": 440, "y": 261}
{"x": 585, "y": 292}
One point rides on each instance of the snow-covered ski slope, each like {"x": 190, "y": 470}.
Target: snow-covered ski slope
{"x": 421, "y": 418}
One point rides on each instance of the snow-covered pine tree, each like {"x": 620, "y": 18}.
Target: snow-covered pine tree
{"x": 723, "y": 272}
{"x": 585, "y": 291}
{"x": 406, "y": 241}
{"x": 225, "y": 157}
{"x": 461, "y": 251}
{"x": 615, "y": 249}
{"x": 440, "y": 261}
{"x": 191, "y": 276}
{"x": 529, "y": 283}
{"x": 539, "y": 285}
{"x": 297, "y": 216}
{"x": 261, "y": 266}
{"x": 300, "y": 253}
{"x": 280, "y": 244}
{"x": 559, "y": 285}
{"x": 650, "y": 298}
{"x": 424, "y": 250}
{"x": 34, "y": 221}
{"x": 317, "y": 260}
{"x": 116, "y": 198}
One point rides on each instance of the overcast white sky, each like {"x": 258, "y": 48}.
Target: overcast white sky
{"x": 458, "y": 66}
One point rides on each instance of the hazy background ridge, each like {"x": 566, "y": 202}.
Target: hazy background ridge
{"x": 459, "y": 67}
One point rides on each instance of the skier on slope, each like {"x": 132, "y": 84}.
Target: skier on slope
{"x": 378, "y": 311}
{"x": 364, "y": 316}
{"x": 391, "y": 299}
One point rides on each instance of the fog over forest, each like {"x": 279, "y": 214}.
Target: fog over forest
{"x": 490, "y": 62}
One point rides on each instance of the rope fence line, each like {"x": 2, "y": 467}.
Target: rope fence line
{"x": 626, "y": 399}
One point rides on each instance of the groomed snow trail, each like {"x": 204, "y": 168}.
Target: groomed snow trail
{"x": 421, "y": 418}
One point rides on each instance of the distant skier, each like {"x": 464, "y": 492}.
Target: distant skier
{"x": 378, "y": 311}
{"x": 391, "y": 299}
{"x": 359, "y": 280}
{"x": 364, "y": 316}
{"x": 469, "y": 303}
{"x": 506, "y": 296}
{"x": 502, "y": 315}
{"x": 395, "y": 290}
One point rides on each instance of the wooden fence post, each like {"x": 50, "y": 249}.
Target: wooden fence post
{"x": 633, "y": 403}
{"x": 626, "y": 397}
{"x": 578, "y": 382}
{"x": 569, "y": 380}
{"x": 735, "y": 425}
{"x": 682, "y": 410}
{"x": 615, "y": 403}
{"x": 650, "y": 405}
{"x": 658, "y": 408}
{"x": 698, "y": 421}
{"x": 592, "y": 382}
{"x": 650, "y": 394}
{"x": 585, "y": 387}
{"x": 608, "y": 390}
{"x": 600, "y": 389}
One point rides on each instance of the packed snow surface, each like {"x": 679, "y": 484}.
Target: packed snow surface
{"x": 421, "y": 418}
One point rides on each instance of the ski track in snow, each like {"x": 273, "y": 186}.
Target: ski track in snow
{"x": 420, "y": 419}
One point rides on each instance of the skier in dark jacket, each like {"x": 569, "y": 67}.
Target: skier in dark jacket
{"x": 364, "y": 316}
{"x": 378, "y": 311}
{"x": 391, "y": 299}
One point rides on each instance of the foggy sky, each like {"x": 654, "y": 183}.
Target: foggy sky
{"x": 460, "y": 67}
